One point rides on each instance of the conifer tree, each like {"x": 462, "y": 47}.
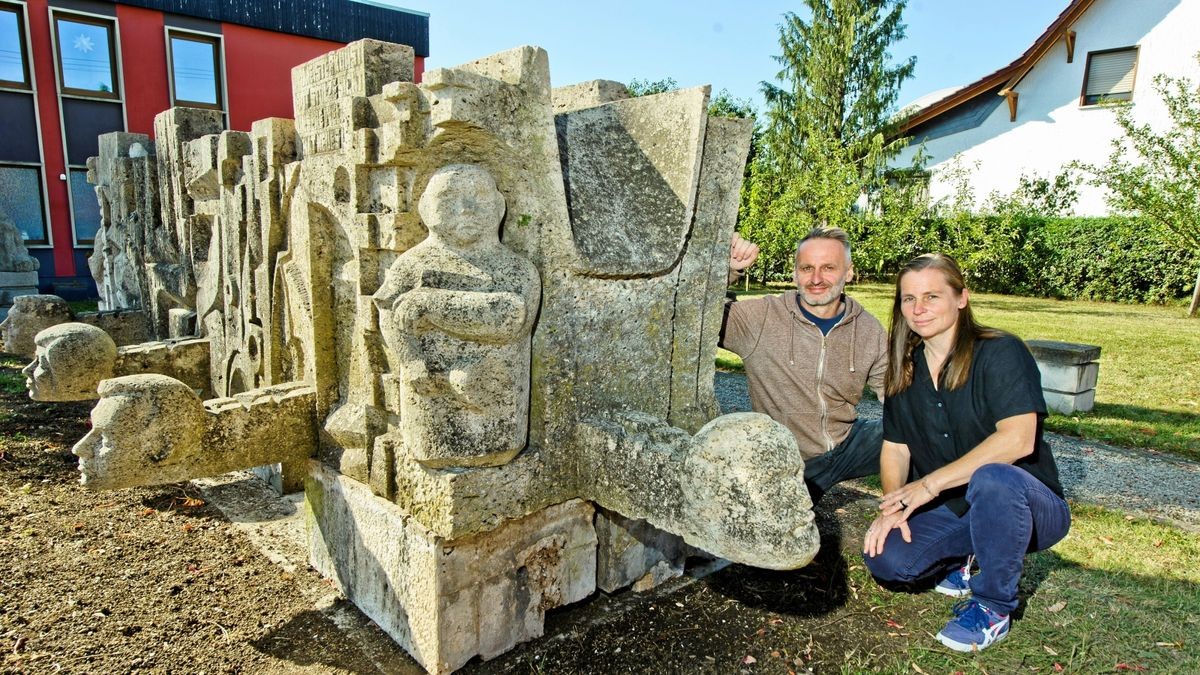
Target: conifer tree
{"x": 828, "y": 120}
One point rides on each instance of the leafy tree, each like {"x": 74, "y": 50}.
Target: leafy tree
{"x": 1156, "y": 172}
{"x": 829, "y": 120}
{"x": 638, "y": 87}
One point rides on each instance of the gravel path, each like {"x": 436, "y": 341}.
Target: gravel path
{"x": 1146, "y": 483}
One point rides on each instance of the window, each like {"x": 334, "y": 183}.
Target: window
{"x": 13, "y": 69}
{"x": 86, "y": 56}
{"x": 21, "y": 200}
{"x": 1109, "y": 76}
{"x": 195, "y": 70}
{"x": 85, "y": 207}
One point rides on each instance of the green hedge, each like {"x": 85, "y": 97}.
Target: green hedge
{"x": 1118, "y": 259}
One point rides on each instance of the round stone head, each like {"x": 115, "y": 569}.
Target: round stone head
{"x": 461, "y": 205}
{"x": 70, "y": 361}
{"x": 146, "y": 429}
{"x": 29, "y": 315}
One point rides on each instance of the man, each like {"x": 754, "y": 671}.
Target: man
{"x": 808, "y": 354}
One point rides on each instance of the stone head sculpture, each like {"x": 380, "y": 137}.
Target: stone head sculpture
{"x": 146, "y": 429}
{"x": 462, "y": 206}
{"x": 70, "y": 361}
{"x": 744, "y": 493}
{"x": 30, "y": 314}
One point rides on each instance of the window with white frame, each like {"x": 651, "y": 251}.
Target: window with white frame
{"x": 1109, "y": 76}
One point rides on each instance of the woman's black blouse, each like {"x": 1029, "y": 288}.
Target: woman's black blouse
{"x": 939, "y": 426}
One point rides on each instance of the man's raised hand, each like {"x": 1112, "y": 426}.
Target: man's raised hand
{"x": 742, "y": 253}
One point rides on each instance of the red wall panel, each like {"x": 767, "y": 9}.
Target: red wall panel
{"x": 52, "y": 143}
{"x": 258, "y": 70}
{"x": 144, "y": 67}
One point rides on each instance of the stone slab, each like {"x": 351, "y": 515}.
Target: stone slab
{"x": 19, "y": 279}
{"x": 1070, "y": 403}
{"x": 1062, "y": 353}
{"x": 1069, "y": 379}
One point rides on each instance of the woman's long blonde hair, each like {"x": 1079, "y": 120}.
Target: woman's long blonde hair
{"x": 902, "y": 340}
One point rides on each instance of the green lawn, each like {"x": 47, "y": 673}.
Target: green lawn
{"x": 1148, "y": 395}
{"x": 1118, "y": 594}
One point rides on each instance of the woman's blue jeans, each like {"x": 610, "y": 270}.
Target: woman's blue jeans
{"x": 1012, "y": 513}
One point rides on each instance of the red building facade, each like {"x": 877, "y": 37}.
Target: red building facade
{"x": 73, "y": 69}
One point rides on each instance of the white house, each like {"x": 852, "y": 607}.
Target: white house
{"x": 1042, "y": 111}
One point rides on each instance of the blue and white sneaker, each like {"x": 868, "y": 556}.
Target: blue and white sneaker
{"x": 956, "y": 584}
{"x": 973, "y": 628}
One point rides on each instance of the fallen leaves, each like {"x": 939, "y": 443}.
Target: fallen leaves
{"x": 1130, "y": 666}
{"x": 747, "y": 660}
{"x": 1057, "y": 607}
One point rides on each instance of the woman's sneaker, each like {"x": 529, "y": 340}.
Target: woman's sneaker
{"x": 956, "y": 584}
{"x": 973, "y": 628}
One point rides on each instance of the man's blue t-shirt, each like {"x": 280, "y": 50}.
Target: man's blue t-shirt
{"x": 825, "y": 325}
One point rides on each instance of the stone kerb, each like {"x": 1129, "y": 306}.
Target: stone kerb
{"x": 1069, "y": 374}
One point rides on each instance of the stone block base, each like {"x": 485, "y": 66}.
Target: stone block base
{"x": 1065, "y": 403}
{"x": 446, "y": 601}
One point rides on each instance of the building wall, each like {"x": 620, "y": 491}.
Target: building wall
{"x": 256, "y": 68}
{"x": 1052, "y": 128}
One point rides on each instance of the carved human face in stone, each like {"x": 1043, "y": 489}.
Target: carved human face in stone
{"x": 70, "y": 361}
{"x": 461, "y": 205}
{"x": 145, "y": 427}
{"x": 29, "y": 315}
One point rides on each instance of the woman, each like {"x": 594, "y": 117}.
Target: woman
{"x": 965, "y": 470}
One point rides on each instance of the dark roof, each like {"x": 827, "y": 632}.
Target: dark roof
{"x": 1007, "y": 77}
{"x": 335, "y": 20}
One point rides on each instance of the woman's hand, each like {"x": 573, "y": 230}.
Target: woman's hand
{"x": 878, "y": 532}
{"x": 894, "y": 510}
{"x": 908, "y": 498}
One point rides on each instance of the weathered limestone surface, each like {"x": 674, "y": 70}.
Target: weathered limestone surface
{"x": 447, "y": 600}
{"x": 587, "y": 95}
{"x": 482, "y": 319}
{"x": 456, "y": 312}
{"x": 735, "y": 489}
{"x": 29, "y": 315}
{"x": 71, "y": 360}
{"x": 153, "y": 429}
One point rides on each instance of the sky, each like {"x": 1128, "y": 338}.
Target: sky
{"x": 728, "y": 44}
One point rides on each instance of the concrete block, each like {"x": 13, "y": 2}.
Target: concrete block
{"x": 1062, "y": 353}
{"x": 1066, "y": 404}
{"x": 1069, "y": 379}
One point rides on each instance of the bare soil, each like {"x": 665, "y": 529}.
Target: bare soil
{"x": 157, "y": 580}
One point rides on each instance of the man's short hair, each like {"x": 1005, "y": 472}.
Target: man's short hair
{"x": 820, "y": 232}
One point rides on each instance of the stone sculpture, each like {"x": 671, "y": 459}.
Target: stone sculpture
{"x": 472, "y": 454}
{"x": 18, "y": 269}
{"x": 71, "y": 360}
{"x": 28, "y": 316}
{"x": 153, "y": 429}
{"x": 456, "y": 312}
